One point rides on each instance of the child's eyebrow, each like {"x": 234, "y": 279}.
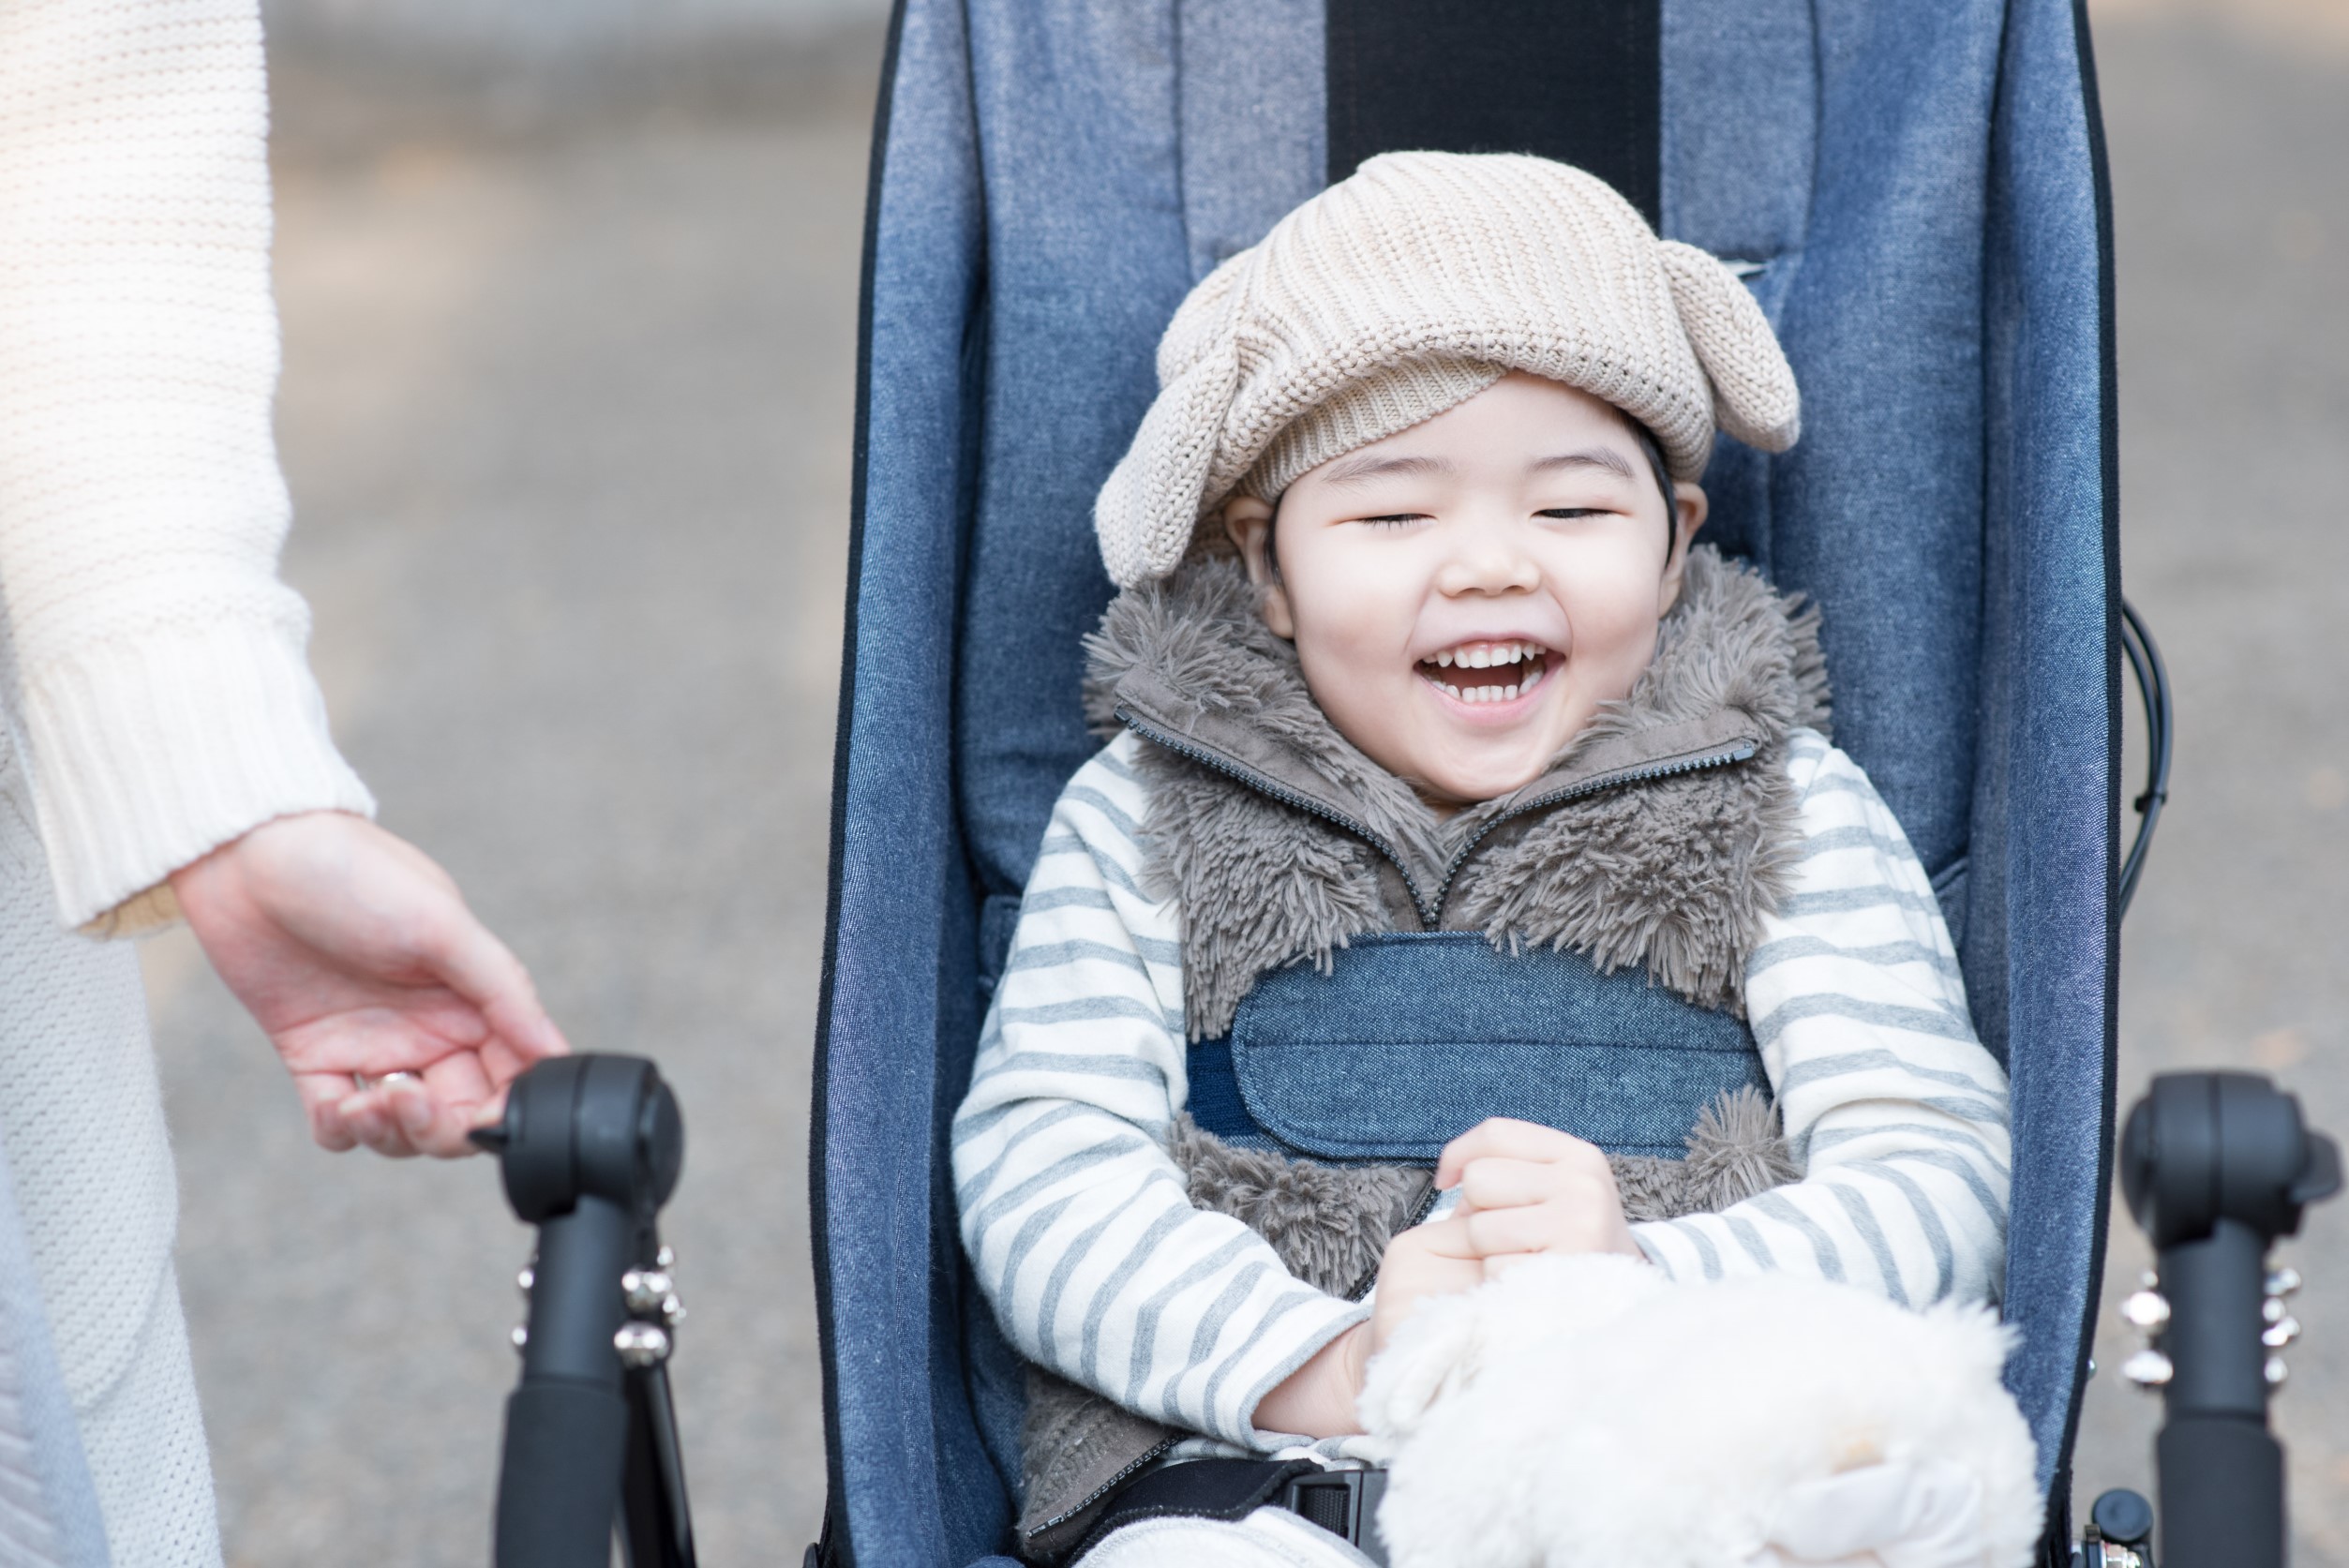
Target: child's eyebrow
{"x": 1352, "y": 471}
{"x": 1588, "y": 457}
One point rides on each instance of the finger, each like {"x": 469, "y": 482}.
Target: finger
{"x": 1501, "y": 1263}
{"x": 1442, "y": 1238}
{"x": 371, "y": 1116}
{"x": 395, "y": 1034}
{"x": 1504, "y": 1138}
{"x": 322, "y": 1094}
{"x": 458, "y": 1089}
{"x": 1541, "y": 1227}
{"x": 473, "y": 963}
{"x": 1503, "y": 1183}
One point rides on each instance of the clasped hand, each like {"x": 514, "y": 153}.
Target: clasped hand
{"x": 1524, "y": 1190}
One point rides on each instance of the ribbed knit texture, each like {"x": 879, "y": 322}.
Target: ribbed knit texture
{"x": 1500, "y": 260}
{"x": 1383, "y": 403}
{"x": 154, "y": 662}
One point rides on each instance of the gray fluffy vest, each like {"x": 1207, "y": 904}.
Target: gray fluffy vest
{"x": 1659, "y": 837}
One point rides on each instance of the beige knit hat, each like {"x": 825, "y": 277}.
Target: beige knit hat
{"x": 1406, "y": 290}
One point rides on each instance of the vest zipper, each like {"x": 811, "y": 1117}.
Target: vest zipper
{"x": 1430, "y": 915}
{"x": 1285, "y": 796}
{"x": 1742, "y": 751}
{"x": 1419, "y": 1211}
{"x": 1140, "y": 1463}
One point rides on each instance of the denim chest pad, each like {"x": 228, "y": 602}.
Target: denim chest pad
{"x": 1413, "y": 1038}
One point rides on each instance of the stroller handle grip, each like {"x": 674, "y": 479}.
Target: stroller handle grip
{"x": 2217, "y": 1167}
{"x": 589, "y": 1149}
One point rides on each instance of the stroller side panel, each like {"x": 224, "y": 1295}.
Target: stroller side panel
{"x": 2043, "y": 956}
{"x": 910, "y": 1481}
{"x": 1915, "y": 193}
{"x": 1085, "y": 261}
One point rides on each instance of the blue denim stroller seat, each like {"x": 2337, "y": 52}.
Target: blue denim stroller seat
{"x": 1915, "y": 195}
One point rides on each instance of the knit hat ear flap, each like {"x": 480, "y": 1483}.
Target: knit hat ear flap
{"x": 1149, "y": 504}
{"x": 1753, "y": 395}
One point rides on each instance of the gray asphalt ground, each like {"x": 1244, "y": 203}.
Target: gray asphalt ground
{"x": 566, "y": 416}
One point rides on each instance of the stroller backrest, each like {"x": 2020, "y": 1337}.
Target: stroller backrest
{"x": 1841, "y": 160}
{"x": 1916, "y": 191}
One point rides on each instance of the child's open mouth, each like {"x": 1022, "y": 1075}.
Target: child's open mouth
{"x": 1484, "y": 672}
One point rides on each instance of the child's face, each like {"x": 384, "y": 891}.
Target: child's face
{"x": 1465, "y": 595}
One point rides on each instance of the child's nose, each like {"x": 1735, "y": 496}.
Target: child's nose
{"x": 1488, "y": 563}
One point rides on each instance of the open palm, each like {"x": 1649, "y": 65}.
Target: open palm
{"x": 358, "y": 958}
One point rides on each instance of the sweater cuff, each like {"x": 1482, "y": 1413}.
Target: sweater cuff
{"x": 147, "y": 754}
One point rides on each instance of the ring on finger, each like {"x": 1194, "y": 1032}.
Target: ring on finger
{"x": 362, "y": 1083}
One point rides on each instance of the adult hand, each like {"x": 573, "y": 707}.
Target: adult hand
{"x": 1527, "y": 1190}
{"x": 358, "y": 956}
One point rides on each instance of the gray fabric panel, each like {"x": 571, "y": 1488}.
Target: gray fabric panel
{"x": 1249, "y": 86}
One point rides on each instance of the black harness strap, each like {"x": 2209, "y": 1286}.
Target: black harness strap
{"x": 1579, "y": 80}
{"x": 1344, "y": 1502}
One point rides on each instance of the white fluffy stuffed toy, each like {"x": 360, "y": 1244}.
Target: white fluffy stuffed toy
{"x": 1589, "y": 1410}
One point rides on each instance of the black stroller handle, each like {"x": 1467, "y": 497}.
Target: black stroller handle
{"x": 2217, "y": 1167}
{"x": 590, "y": 1148}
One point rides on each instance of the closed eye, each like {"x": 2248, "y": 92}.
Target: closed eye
{"x": 1570, "y": 512}
{"x": 1394, "y": 520}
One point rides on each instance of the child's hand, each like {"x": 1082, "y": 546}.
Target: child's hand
{"x": 1527, "y": 1190}
{"x": 1319, "y": 1398}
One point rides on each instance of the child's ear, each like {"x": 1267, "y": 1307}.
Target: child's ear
{"x": 1689, "y": 507}
{"x": 1249, "y": 522}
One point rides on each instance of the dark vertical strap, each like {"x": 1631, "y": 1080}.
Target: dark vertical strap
{"x": 1579, "y": 81}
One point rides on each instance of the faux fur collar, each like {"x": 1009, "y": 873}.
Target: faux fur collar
{"x": 1658, "y": 836}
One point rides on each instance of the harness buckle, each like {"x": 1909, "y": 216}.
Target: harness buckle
{"x": 1344, "y": 1502}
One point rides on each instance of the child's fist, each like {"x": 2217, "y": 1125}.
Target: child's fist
{"x": 1436, "y": 1260}
{"x": 1526, "y": 1189}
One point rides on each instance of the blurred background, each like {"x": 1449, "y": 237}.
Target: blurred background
{"x": 569, "y": 301}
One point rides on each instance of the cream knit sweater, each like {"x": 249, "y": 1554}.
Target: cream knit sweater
{"x": 151, "y": 660}
{"x": 154, "y": 693}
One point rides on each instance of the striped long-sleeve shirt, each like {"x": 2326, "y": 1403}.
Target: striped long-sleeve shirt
{"x": 1084, "y": 1238}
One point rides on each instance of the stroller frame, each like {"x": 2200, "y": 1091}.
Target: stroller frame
{"x": 1922, "y": 193}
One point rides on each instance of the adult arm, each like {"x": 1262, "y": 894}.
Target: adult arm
{"x": 156, "y": 686}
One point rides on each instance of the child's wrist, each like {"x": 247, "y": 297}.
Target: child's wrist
{"x": 1319, "y": 1398}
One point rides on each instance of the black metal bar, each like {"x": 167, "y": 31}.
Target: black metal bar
{"x": 2217, "y": 1167}
{"x": 2153, "y": 686}
{"x": 657, "y": 1526}
{"x": 589, "y": 1149}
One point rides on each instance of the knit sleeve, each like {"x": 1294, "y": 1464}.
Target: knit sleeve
{"x": 1078, "y": 1224}
{"x": 1895, "y": 1112}
{"x": 157, "y": 682}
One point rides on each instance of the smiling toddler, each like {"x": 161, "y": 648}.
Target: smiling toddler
{"x": 1468, "y": 875}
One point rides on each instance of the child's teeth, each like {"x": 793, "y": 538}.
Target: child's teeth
{"x": 1508, "y": 694}
{"x": 1443, "y": 660}
{"x": 1455, "y": 691}
{"x": 1532, "y": 678}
